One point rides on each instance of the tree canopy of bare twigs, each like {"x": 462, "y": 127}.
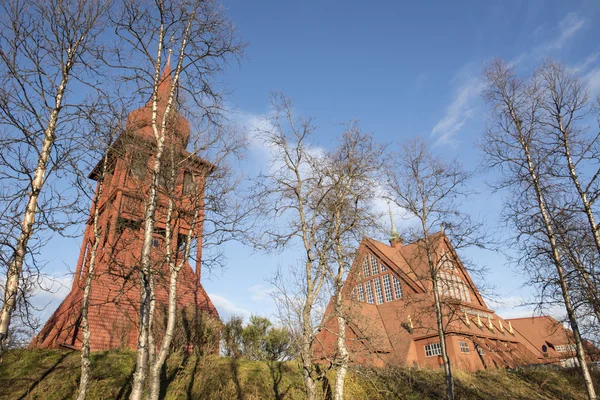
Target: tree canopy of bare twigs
{"x": 549, "y": 168}
{"x": 48, "y": 51}
{"x": 430, "y": 190}
{"x": 322, "y": 200}
{"x": 202, "y": 40}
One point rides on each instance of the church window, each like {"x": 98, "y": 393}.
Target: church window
{"x": 383, "y": 268}
{"x": 433, "y": 349}
{"x": 464, "y": 347}
{"x": 387, "y": 288}
{"x": 374, "y": 265}
{"x": 397, "y": 288}
{"x": 446, "y": 261}
{"x": 562, "y": 348}
{"x": 360, "y": 292}
{"x": 366, "y": 270}
{"x": 369, "y": 290}
{"x": 378, "y": 290}
{"x": 451, "y": 285}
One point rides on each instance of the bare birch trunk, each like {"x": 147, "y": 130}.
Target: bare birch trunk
{"x": 139, "y": 377}
{"x": 306, "y": 354}
{"x": 159, "y": 361}
{"x": 342, "y": 351}
{"x": 556, "y": 257}
{"x": 439, "y": 314}
{"x": 85, "y": 344}
{"x": 141, "y": 362}
{"x": 16, "y": 266}
{"x": 154, "y": 387}
{"x": 342, "y": 362}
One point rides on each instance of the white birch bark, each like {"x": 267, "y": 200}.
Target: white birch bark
{"x": 16, "y": 266}
{"x": 87, "y": 290}
{"x": 556, "y": 257}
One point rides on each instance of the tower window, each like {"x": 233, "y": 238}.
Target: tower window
{"x": 125, "y": 223}
{"x": 181, "y": 242}
{"x": 188, "y": 183}
{"x": 139, "y": 165}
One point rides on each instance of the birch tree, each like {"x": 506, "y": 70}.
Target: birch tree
{"x": 351, "y": 171}
{"x": 322, "y": 200}
{"x": 429, "y": 190}
{"x": 47, "y": 48}
{"x": 290, "y": 197}
{"x": 104, "y": 123}
{"x": 201, "y": 39}
{"x": 517, "y": 145}
{"x": 564, "y": 104}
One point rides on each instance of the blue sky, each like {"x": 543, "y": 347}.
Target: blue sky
{"x": 402, "y": 69}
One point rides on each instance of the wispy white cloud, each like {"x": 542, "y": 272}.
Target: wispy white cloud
{"x": 261, "y": 293}
{"x": 589, "y": 72}
{"x": 567, "y": 28}
{"x": 556, "y": 39}
{"x": 227, "y": 308}
{"x": 592, "y": 80}
{"x": 460, "y": 110}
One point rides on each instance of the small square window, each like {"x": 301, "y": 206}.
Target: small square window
{"x": 464, "y": 347}
{"x": 433, "y": 349}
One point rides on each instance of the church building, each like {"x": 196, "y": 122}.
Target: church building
{"x": 392, "y": 320}
{"x": 115, "y": 290}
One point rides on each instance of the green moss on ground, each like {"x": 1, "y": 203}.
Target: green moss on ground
{"x": 54, "y": 374}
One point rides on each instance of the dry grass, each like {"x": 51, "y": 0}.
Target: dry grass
{"x": 53, "y": 374}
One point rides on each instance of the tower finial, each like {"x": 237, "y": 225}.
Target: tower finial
{"x": 394, "y": 231}
{"x": 394, "y": 237}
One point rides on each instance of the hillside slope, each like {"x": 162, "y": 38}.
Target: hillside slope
{"x": 53, "y": 374}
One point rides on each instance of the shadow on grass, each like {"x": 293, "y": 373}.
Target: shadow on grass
{"x": 234, "y": 365}
{"x": 190, "y": 385}
{"x": 44, "y": 375}
{"x": 167, "y": 379}
{"x": 276, "y": 369}
{"x": 125, "y": 390}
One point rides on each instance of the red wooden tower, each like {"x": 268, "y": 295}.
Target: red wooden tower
{"x": 115, "y": 293}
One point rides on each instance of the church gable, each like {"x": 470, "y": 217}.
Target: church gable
{"x": 375, "y": 280}
{"x": 455, "y": 279}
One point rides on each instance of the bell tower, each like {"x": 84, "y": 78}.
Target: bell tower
{"x": 115, "y": 293}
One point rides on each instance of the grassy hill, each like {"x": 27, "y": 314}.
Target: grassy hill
{"x": 53, "y": 374}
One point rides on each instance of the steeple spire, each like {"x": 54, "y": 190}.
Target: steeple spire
{"x": 167, "y": 70}
{"x": 395, "y": 240}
